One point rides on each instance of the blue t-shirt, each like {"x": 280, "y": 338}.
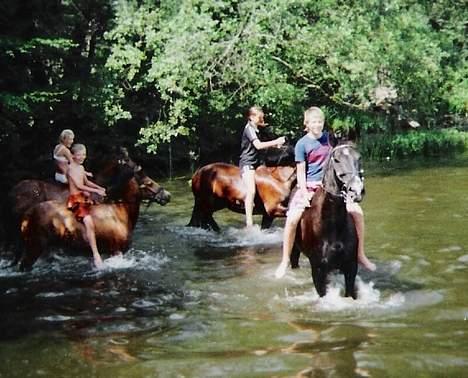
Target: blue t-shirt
{"x": 314, "y": 152}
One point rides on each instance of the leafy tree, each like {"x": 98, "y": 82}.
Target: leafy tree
{"x": 198, "y": 64}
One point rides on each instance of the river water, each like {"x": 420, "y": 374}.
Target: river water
{"x": 189, "y": 303}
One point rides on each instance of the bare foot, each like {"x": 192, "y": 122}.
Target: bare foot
{"x": 281, "y": 270}
{"x": 366, "y": 263}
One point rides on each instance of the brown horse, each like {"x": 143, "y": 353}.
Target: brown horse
{"x": 218, "y": 186}
{"x": 27, "y": 193}
{"x": 50, "y": 223}
{"x": 327, "y": 235}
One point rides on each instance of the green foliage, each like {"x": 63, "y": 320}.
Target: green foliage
{"x": 187, "y": 70}
{"x": 414, "y": 143}
{"x": 201, "y": 60}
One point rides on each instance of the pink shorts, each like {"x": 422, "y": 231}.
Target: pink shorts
{"x": 299, "y": 201}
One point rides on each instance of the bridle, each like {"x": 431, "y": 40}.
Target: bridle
{"x": 341, "y": 178}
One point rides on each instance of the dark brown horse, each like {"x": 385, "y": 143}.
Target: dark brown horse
{"x": 27, "y": 193}
{"x": 218, "y": 186}
{"x": 50, "y": 223}
{"x": 326, "y": 233}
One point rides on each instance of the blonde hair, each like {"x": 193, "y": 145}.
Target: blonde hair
{"x": 254, "y": 110}
{"x": 314, "y": 111}
{"x": 67, "y": 133}
{"x": 77, "y": 148}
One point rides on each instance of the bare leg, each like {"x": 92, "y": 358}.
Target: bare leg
{"x": 248, "y": 177}
{"x": 91, "y": 236}
{"x": 288, "y": 241}
{"x": 356, "y": 212}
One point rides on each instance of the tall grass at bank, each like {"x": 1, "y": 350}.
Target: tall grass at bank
{"x": 413, "y": 143}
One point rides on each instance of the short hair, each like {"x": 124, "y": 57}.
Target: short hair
{"x": 67, "y": 133}
{"x": 314, "y": 110}
{"x": 77, "y": 148}
{"x": 254, "y": 110}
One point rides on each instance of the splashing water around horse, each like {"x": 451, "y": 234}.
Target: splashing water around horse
{"x": 218, "y": 186}
{"x": 115, "y": 168}
{"x": 326, "y": 233}
{"x": 50, "y": 223}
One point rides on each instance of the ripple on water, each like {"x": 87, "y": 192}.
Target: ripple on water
{"x": 56, "y": 318}
{"x": 79, "y": 266}
{"x": 233, "y": 237}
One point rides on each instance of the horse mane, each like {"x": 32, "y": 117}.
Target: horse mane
{"x": 279, "y": 157}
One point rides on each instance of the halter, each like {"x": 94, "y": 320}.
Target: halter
{"x": 330, "y": 165}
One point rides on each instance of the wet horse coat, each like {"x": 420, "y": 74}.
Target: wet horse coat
{"x": 326, "y": 233}
{"x": 27, "y": 193}
{"x": 219, "y": 185}
{"x": 50, "y": 223}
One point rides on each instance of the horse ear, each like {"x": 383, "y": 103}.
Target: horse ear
{"x": 334, "y": 138}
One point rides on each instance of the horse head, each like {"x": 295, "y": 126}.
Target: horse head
{"x": 343, "y": 173}
{"x": 150, "y": 189}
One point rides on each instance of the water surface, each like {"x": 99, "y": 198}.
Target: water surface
{"x": 185, "y": 302}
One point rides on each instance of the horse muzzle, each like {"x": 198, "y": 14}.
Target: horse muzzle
{"x": 355, "y": 190}
{"x": 163, "y": 197}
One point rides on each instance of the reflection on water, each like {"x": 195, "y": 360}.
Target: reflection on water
{"x": 190, "y": 303}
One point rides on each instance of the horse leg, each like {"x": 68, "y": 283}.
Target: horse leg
{"x": 29, "y": 257}
{"x": 267, "y": 220}
{"x": 211, "y": 223}
{"x": 195, "y": 220}
{"x": 319, "y": 277}
{"x": 350, "y": 278}
{"x": 294, "y": 257}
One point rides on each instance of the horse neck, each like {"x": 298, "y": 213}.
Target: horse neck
{"x": 131, "y": 199}
{"x": 333, "y": 205}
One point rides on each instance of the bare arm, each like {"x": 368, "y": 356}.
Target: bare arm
{"x": 301, "y": 175}
{"x": 79, "y": 181}
{"x": 272, "y": 143}
{"x": 91, "y": 184}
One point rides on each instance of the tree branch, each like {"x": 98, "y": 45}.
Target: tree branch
{"x": 312, "y": 84}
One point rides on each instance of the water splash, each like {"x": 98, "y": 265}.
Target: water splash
{"x": 232, "y": 236}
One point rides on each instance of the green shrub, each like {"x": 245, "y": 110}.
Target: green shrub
{"x": 413, "y": 143}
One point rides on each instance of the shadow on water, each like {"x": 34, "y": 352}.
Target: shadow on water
{"x": 63, "y": 294}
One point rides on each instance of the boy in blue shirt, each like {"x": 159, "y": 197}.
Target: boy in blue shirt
{"x": 311, "y": 153}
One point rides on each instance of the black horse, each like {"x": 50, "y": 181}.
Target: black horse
{"x": 326, "y": 234}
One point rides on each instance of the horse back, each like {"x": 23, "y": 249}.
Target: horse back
{"x": 26, "y": 193}
{"x": 219, "y": 180}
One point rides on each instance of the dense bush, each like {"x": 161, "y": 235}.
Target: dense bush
{"x": 413, "y": 143}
